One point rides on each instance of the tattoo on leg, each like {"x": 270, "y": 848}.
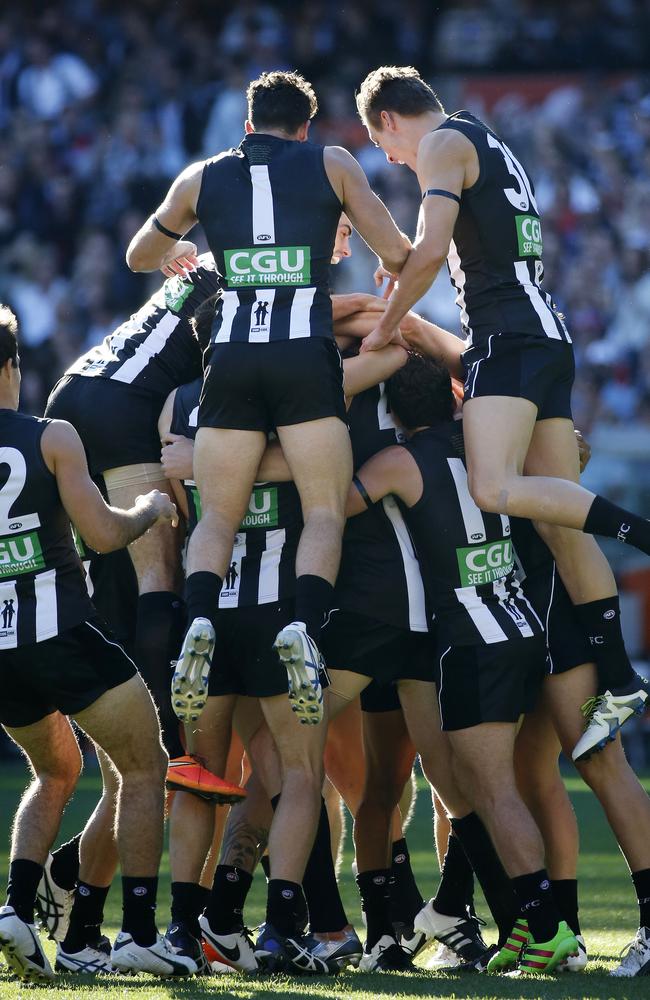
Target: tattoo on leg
{"x": 243, "y": 845}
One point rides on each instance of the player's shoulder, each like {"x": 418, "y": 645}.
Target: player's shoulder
{"x": 448, "y": 142}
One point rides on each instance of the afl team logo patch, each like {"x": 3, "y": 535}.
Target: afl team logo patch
{"x": 274, "y": 266}
{"x": 609, "y": 615}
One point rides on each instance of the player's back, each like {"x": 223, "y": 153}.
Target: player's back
{"x": 270, "y": 215}
{"x": 42, "y": 588}
{"x": 495, "y": 256}
{"x": 466, "y": 556}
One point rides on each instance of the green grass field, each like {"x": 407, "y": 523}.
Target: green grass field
{"x": 608, "y": 913}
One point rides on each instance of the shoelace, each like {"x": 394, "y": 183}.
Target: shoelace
{"x": 591, "y": 706}
{"x": 634, "y": 946}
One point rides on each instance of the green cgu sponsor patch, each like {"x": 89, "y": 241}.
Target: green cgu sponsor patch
{"x": 20, "y": 554}
{"x": 268, "y": 266}
{"x": 480, "y": 564}
{"x": 529, "y": 235}
{"x": 262, "y": 509}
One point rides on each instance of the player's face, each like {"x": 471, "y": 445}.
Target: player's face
{"x": 388, "y": 140}
{"x": 342, "y": 242}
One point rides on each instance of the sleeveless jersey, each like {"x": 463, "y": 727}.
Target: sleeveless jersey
{"x": 466, "y": 556}
{"x": 263, "y": 564}
{"x": 379, "y": 575}
{"x": 155, "y": 350}
{"x": 270, "y": 216}
{"x": 42, "y": 587}
{"x": 495, "y": 256}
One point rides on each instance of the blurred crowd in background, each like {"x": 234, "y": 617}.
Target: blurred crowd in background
{"x": 102, "y": 102}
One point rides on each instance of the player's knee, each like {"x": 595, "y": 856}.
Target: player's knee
{"x": 487, "y": 492}
{"x": 325, "y": 518}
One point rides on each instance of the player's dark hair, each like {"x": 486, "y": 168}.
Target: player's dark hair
{"x": 420, "y": 393}
{"x": 395, "y": 88}
{"x": 280, "y": 100}
{"x": 203, "y": 319}
{"x": 8, "y": 337}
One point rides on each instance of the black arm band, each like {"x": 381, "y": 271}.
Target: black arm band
{"x": 163, "y": 229}
{"x": 442, "y": 193}
{"x": 363, "y": 491}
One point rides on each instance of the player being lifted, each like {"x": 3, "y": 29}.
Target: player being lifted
{"x": 479, "y": 213}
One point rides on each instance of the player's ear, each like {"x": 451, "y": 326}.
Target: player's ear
{"x": 248, "y": 127}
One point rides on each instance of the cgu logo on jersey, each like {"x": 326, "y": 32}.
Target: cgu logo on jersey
{"x": 529, "y": 235}
{"x": 175, "y": 291}
{"x": 481, "y": 564}
{"x": 272, "y": 266}
{"x": 262, "y": 509}
{"x": 21, "y": 554}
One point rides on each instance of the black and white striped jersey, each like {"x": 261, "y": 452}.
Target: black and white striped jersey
{"x": 495, "y": 256}
{"x": 379, "y": 575}
{"x": 263, "y": 564}
{"x": 270, "y": 217}
{"x": 466, "y": 556}
{"x": 155, "y": 350}
{"x": 42, "y": 586}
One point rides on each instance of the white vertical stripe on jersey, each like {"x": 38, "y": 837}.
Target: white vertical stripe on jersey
{"x": 546, "y": 315}
{"x": 229, "y": 307}
{"x": 414, "y": 585}
{"x": 46, "y": 608}
{"x": 520, "y": 594}
{"x": 300, "y": 310}
{"x": 459, "y": 278}
{"x": 268, "y": 588}
{"x": 481, "y": 615}
{"x": 259, "y": 333}
{"x": 472, "y": 517}
{"x": 145, "y": 351}
{"x": 193, "y": 419}
{"x": 263, "y": 221}
{"x": 9, "y": 601}
{"x": 229, "y": 597}
{"x": 505, "y": 524}
{"x": 511, "y": 608}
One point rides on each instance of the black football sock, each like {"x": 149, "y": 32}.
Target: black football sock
{"x": 301, "y": 912}
{"x": 265, "y": 863}
{"x": 601, "y": 620}
{"x": 375, "y": 902}
{"x": 326, "y": 912}
{"x": 139, "y": 908}
{"x": 314, "y": 601}
{"x": 641, "y": 880}
{"x": 86, "y": 917}
{"x": 202, "y": 596}
{"x": 451, "y": 897}
{"x": 188, "y": 900}
{"x": 226, "y": 906}
{"x": 158, "y": 637}
{"x": 537, "y": 905}
{"x": 405, "y": 897}
{"x": 605, "y": 518}
{"x": 65, "y": 863}
{"x": 282, "y": 905}
{"x": 492, "y": 877}
{"x": 565, "y": 894}
{"x": 24, "y": 877}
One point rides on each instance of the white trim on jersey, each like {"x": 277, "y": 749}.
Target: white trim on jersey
{"x": 547, "y": 631}
{"x": 229, "y": 307}
{"x": 193, "y": 421}
{"x": 147, "y": 349}
{"x": 9, "y": 635}
{"x": 303, "y": 299}
{"x": 263, "y": 220}
{"x": 261, "y": 333}
{"x": 268, "y": 587}
{"x": 47, "y": 617}
{"x": 505, "y": 524}
{"x": 511, "y": 608}
{"x": 111, "y": 642}
{"x": 459, "y": 278}
{"x": 487, "y": 625}
{"x": 546, "y": 315}
{"x": 414, "y": 585}
{"x": 472, "y": 516}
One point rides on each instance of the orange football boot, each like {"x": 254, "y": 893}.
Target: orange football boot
{"x": 187, "y": 774}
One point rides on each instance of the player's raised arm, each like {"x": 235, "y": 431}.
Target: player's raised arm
{"x": 160, "y": 242}
{"x": 104, "y": 528}
{"x": 393, "y": 470}
{"x": 366, "y": 211}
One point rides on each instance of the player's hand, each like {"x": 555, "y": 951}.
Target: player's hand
{"x": 584, "y": 450}
{"x": 409, "y": 325}
{"x": 378, "y": 338}
{"x": 160, "y": 505}
{"x": 177, "y": 456}
{"x": 180, "y": 259}
{"x": 381, "y": 274}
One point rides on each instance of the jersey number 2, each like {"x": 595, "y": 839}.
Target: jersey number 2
{"x": 10, "y": 492}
